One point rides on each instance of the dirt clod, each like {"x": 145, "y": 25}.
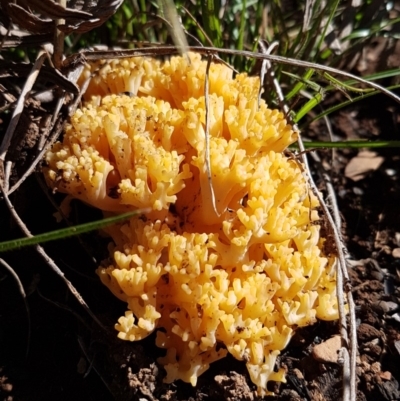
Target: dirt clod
{"x": 367, "y": 332}
{"x": 235, "y": 387}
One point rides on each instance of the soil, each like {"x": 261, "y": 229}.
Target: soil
{"x": 55, "y": 351}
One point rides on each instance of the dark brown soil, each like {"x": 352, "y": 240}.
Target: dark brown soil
{"x": 57, "y": 352}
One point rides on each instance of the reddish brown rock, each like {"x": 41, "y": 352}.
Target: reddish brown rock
{"x": 327, "y": 352}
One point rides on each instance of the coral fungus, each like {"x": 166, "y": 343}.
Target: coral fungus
{"x": 229, "y": 258}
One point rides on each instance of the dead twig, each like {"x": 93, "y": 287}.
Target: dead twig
{"x": 23, "y": 295}
{"x": 168, "y": 8}
{"x": 65, "y": 307}
{"x": 349, "y": 341}
{"x": 39, "y": 157}
{"x": 47, "y": 259}
{"x": 59, "y": 37}
{"x": 207, "y": 137}
{"x": 91, "y": 360}
{"x": 49, "y": 74}
{"x": 58, "y": 121}
{"x": 20, "y": 106}
{"x": 342, "y": 273}
{"x": 265, "y": 66}
{"x": 170, "y": 50}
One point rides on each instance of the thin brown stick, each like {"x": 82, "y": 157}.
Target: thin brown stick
{"x": 198, "y": 26}
{"x": 349, "y": 361}
{"x": 91, "y": 360}
{"x": 48, "y": 260}
{"x": 168, "y": 8}
{"x": 20, "y": 105}
{"x": 348, "y": 334}
{"x": 57, "y": 121}
{"x": 47, "y": 73}
{"x": 352, "y": 317}
{"x": 207, "y": 134}
{"x": 170, "y": 50}
{"x": 59, "y": 37}
{"x": 308, "y": 15}
{"x": 23, "y": 295}
{"x": 7, "y": 174}
{"x": 38, "y": 158}
{"x": 65, "y": 307}
{"x": 265, "y": 66}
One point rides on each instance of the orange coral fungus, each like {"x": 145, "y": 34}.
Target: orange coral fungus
{"x": 235, "y": 262}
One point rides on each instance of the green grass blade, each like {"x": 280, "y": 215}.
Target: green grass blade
{"x": 301, "y": 84}
{"x": 343, "y": 85}
{"x": 327, "y": 24}
{"x": 337, "y": 84}
{"x": 359, "y": 144}
{"x": 168, "y": 9}
{"x": 308, "y": 36}
{"x": 66, "y": 232}
{"x": 344, "y": 104}
{"x": 373, "y": 77}
{"x": 279, "y": 26}
{"x": 143, "y": 15}
{"x": 211, "y": 21}
{"x": 240, "y": 41}
{"x": 316, "y": 100}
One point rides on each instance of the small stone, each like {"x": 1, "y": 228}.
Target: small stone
{"x": 396, "y": 253}
{"x": 327, "y": 352}
{"x": 396, "y": 317}
{"x": 366, "y": 332}
{"x": 7, "y": 387}
{"x": 82, "y": 366}
{"x": 298, "y": 374}
{"x": 385, "y": 375}
{"x": 372, "y": 349}
{"x": 397, "y": 238}
{"x": 377, "y": 275}
{"x": 390, "y": 172}
{"x": 365, "y": 365}
{"x": 359, "y": 370}
{"x": 391, "y": 306}
{"x": 376, "y": 367}
{"x": 397, "y": 346}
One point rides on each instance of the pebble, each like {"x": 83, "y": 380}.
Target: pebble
{"x": 385, "y": 306}
{"x": 376, "y": 367}
{"x": 377, "y": 275}
{"x": 298, "y": 374}
{"x": 391, "y": 306}
{"x": 396, "y": 317}
{"x": 327, "y": 352}
{"x": 397, "y": 346}
{"x": 397, "y": 238}
{"x": 385, "y": 375}
{"x": 390, "y": 172}
{"x": 358, "y": 191}
{"x": 396, "y": 253}
{"x": 366, "y": 332}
